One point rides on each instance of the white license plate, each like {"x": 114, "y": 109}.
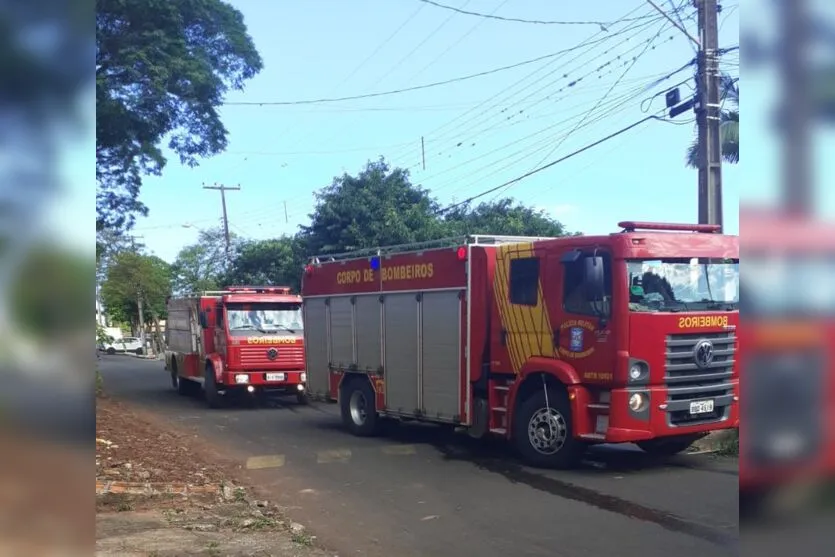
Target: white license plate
{"x": 275, "y": 377}
{"x": 701, "y": 407}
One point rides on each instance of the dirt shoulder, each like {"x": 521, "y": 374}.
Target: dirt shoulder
{"x": 163, "y": 492}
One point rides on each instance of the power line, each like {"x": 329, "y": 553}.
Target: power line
{"x": 602, "y": 24}
{"x": 408, "y": 89}
{"x": 550, "y": 164}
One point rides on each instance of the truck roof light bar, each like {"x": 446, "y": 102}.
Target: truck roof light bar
{"x": 632, "y": 226}
{"x": 453, "y": 242}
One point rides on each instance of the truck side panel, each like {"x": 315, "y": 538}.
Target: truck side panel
{"x": 342, "y": 332}
{"x": 183, "y": 335}
{"x": 368, "y": 337}
{"x": 441, "y": 353}
{"x": 316, "y": 345}
{"x": 401, "y": 349}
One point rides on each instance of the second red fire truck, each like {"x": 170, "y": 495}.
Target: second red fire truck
{"x": 553, "y": 343}
{"x": 245, "y": 339}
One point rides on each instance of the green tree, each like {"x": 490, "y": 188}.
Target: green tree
{"x": 136, "y": 289}
{"x": 51, "y": 293}
{"x": 275, "y": 262}
{"x": 379, "y": 206}
{"x": 728, "y": 127}
{"x": 504, "y": 217}
{"x": 162, "y": 71}
{"x": 202, "y": 266}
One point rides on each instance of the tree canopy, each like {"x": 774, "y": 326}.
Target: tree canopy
{"x": 202, "y": 266}
{"x": 162, "y": 70}
{"x": 133, "y": 276}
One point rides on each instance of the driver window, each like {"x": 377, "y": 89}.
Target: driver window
{"x": 576, "y": 295}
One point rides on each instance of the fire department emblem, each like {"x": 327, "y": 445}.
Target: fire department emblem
{"x": 272, "y": 353}
{"x": 703, "y": 353}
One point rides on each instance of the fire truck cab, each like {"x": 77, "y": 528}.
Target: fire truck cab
{"x": 553, "y": 343}
{"x": 245, "y": 339}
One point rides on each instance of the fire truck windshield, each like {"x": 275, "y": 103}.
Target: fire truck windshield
{"x": 676, "y": 284}
{"x": 266, "y": 318}
{"x": 789, "y": 286}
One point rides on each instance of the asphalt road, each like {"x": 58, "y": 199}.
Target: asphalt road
{"x": 419, "y": 490}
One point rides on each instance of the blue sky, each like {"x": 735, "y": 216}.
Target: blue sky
{"x": 478, "y": 133}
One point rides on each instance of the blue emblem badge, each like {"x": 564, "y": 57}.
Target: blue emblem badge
{"x": 576, "y": 339}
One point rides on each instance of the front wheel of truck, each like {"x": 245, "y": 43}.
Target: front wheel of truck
{"x": 542, "y": 431}
{"x": 668, "y": 446}
{"x": 358, "y": 407}
{"x": 213, "y": 397}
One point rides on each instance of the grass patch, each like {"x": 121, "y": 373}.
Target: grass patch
{"x": 302, "y": 538}
{"x": 729, "y": 444}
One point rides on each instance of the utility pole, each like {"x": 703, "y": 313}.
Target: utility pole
{"x": 223, "y": 189}
{"x": 795, "y": 112}
{"x": 708, "y": 114}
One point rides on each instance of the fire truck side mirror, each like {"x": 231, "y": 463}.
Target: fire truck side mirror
{"x": 594, "y": 278}
{"x": 204, "y": 321}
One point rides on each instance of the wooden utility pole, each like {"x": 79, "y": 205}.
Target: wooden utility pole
{"x": 223, "y": 189}
{"x": 708, "y": 109}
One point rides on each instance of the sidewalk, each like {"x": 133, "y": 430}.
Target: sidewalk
{"x": 161, "y": 492}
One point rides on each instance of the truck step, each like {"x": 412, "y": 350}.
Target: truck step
{"x": 593, "y": 436}
{"x": 501, "y": 388}
{"x": 500, "y": 409}
{"x": 498, "y": 430}
{"x": 598, "y": 406}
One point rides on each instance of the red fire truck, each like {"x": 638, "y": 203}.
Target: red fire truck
{"x": 554, "y": 343}
{"x": 245, "y": 339}
{"x": 789, "y": 339}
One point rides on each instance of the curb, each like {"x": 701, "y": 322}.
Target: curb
{"x": 147, "y": 488}
{"x": 713, "y": 441}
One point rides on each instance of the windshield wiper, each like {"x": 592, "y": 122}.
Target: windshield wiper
{"x": 249, "y": 327}
{"x": 712, "y": 304}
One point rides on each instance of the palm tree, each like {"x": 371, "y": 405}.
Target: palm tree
{"x": 729, "y": 124}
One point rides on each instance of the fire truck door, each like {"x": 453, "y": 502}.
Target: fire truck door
{"x": 582, "y": 322}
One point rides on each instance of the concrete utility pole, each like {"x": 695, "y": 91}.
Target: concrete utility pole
{"x": 708, "y": 104}
{"x": 795, "y": 114}
{"x": 223, "y": 189}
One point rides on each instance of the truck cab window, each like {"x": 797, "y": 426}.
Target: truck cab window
{"x": 576, "y": 295}
{"x": 524, "y": 281}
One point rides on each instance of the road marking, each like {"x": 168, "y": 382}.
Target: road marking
{"x": 399, "y": 450}
{"x": 335, "y": 455}
{"x": 268, "y": 461}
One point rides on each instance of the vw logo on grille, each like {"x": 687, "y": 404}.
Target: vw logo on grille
{"x": 272, "y": 353}
{"x": 703, "y": 353}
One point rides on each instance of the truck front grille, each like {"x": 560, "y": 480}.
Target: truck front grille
{"x": 687, "y": 381}
{"x": 287, "y": 356}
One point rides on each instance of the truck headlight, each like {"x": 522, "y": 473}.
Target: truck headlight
{"x": 304, "y": 377}
{"x": 242, "y": 379}
{"x": 635, "y": 372}
{"x": 638, "y": 402}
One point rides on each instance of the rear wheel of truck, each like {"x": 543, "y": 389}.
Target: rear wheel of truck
{"x": 359, "y": 410}
{"x": 668, "y": 446}
{"x": 213, "y": 397}
{"x": 542, "y": 431}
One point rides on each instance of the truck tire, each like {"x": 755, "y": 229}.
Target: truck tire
{"x": 668, "y": 446}
{"x": 213, "y": 398}
{"x": 358, "y": 406}
{"x": 542, "y": 432}
{"x": 184, "y": 387}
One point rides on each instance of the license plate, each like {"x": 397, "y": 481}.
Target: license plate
{"x": 701, "y": 407}
{"x": 275, "y": 377}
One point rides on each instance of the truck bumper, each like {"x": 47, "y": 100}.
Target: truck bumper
{"x": 665, "y": 415}
{"x": 288, "y": 381}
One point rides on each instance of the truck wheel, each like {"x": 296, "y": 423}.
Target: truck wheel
{"x": 668, "y": 446}
{"x": 358, "y": 406}
{"x": 542, "y": 432}
{"x": 213, "y": 398}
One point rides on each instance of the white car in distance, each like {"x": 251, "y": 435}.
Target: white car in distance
{"x": 126, "y": 344}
